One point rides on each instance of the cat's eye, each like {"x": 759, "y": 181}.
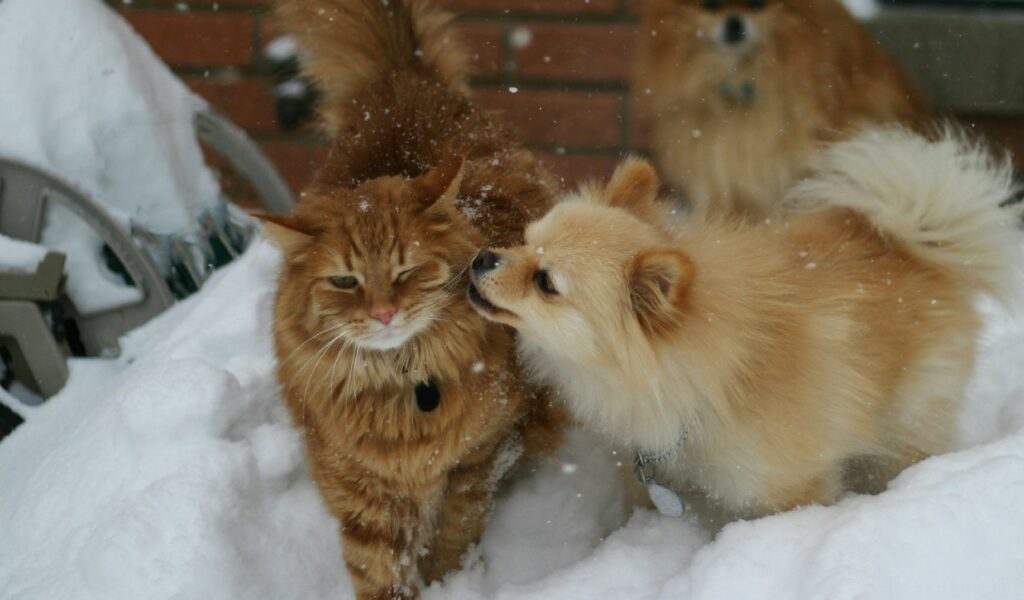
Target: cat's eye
{"x": 711, "y": 4}
{"x": 755, "y": 4}
{"x": 404, "y": 274}
{"x": 345, "y": 282}
{"x": 544, "y": 284}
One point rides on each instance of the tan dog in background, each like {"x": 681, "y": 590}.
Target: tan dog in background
{"x": 776, "y": 365}
{"x": 740, "y": 93}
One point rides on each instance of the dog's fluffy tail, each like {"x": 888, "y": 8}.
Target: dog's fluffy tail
{"x": 945, "y": 199}
{"x": 349, "y": 45}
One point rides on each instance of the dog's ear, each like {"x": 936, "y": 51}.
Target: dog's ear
{"x": 659, "y": 283}
{"x": 440, "y": 184}
{"x": 286, "y": 232}
{"x": 633, "y": 187}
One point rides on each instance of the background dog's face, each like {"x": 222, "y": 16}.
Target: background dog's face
{"x": 594, "y": 272}
{"x": 690, "y": 49}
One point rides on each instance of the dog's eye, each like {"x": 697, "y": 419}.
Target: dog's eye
{"x": 543, "y": 279}
{"x": 711, "y": 4}
{"x": 755, "y": 4}
{"x": 347, "y": 282}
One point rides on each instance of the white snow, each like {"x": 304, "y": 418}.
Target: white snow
{"x": 865, "y": 10}
{"x": 521, "y": 37}
{"x": 173, "y": 472}
{"x": 282, "y": 48}
{"x": 17, "y": 256}
{"x": 84, "y": 98}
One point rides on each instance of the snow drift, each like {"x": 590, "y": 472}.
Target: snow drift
{"x": 85, "y": 99}
{"x": 172, "y": 472}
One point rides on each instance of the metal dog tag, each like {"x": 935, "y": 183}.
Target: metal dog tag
{"x": 664, "y": 499}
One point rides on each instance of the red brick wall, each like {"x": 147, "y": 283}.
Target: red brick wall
{"x": 568, "y": 61}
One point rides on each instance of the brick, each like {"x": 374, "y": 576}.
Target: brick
{"x": 591, "y": 53}
{"x": 296, "y": 161}
{"x": 268, "y": 29}
{"x": 234, "y": 3}
{"x": 547, "y": 7}
{"x": 486, "y": 44}
{"x": 247, "y": 102}
{"x": 563, "y": 119}
{"x": 575, "y": 169}
{"x": 190, "y": 5}
{"x": 484, "y": 41}
{"x": 640, "y": 132}
{"x": 196, "y": 39}
{"x": 635, "y": 7}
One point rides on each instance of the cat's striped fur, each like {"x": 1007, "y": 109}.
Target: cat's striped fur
{"x": 417, "y": 180}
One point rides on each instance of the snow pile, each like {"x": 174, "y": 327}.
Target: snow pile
{"x": 172, "y": 472}
{"x": 17, "y": 256}
{"x": 85, "y": 99}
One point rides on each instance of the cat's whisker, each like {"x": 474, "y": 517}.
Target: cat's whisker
{"x": 311, "y": 338}
{"x": 346, "y": 344}
{"x": 318, "y": 353}
{"x": 322, "y": 353}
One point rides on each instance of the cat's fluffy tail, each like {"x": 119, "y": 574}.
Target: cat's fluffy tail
{"x": 351, "y": 44}
{"x": 945, "y": 199}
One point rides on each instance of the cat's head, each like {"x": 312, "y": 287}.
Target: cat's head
{"x": 375, "y": 265}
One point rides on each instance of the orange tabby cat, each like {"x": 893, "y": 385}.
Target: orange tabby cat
{"x": 412, "y": 405}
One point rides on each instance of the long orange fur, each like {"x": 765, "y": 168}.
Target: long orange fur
{"x": 417, "y": 179}
{"x": 776, "y": 365}
{"x": 816, "y": 76}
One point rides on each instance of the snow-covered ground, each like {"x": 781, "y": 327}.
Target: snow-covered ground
{"x": 172, "y": 472}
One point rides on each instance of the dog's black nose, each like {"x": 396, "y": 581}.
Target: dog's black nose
{"x": 485, "y": 261}
{"x": 734, "y": 30}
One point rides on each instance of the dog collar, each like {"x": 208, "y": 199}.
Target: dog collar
{"x": 653, "y": 459}
{"x": 665, "y": 500}
{"x": 742, "y": 94}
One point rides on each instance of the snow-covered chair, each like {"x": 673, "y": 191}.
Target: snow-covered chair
{"x": 101, "y": 163}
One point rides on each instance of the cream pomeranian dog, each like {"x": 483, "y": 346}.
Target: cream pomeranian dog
{"x": 741, "y": 92}
{"x": 771, "y": 365}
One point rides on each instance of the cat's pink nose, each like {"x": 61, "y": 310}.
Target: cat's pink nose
{"x": 384, "y": 315}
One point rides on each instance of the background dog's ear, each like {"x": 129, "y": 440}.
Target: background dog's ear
{"x": 286, "y": 232}
{"x": 633, "y": 187}
{"x": 659, "y": 281}
{"x": 440, "y": 184}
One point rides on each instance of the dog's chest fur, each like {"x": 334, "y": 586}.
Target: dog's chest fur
{"x": 725, "y": 155}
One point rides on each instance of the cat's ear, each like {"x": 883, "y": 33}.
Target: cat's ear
{"x": 633, "y": 187}
{"x": 286, "y": 232}
{"x": 440, "y": 184}
{"x": 659, "y": 283}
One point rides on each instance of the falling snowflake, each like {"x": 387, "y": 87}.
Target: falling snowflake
{"x": 521, "y": 37}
